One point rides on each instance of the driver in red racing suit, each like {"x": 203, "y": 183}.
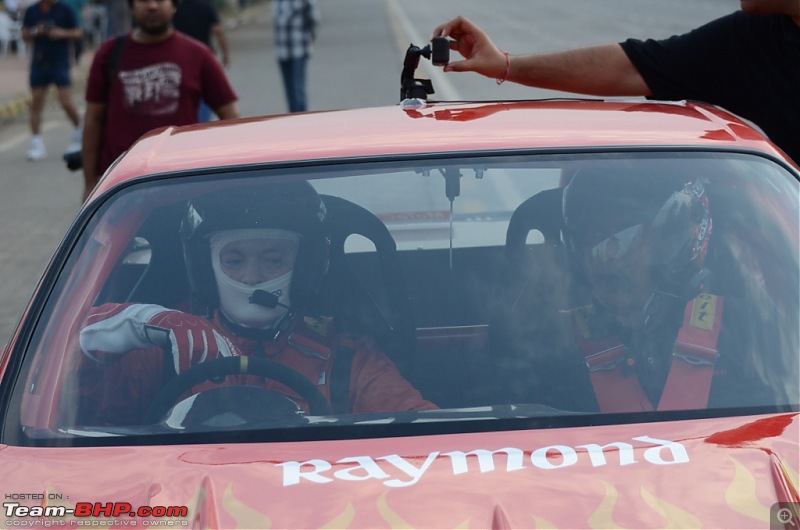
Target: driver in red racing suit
{"x": 255, "y": 258}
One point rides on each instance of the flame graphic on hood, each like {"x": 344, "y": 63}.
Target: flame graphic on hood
{"x": 675, "y": 517}
{"x": 244, "y": 515}
{"x": 50, "y": 492}
{"x": 389, "y": 515}
{"x": 741, "y": 494}
{"x": 602, "y": 516}
{"x": 792, "y": 474}
{"x": 543, "y": 523}
{"x": 785, "y": 478}
{"x": 344, "y": 519}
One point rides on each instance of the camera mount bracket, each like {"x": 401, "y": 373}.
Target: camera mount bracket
{"x": 439, "y": 53}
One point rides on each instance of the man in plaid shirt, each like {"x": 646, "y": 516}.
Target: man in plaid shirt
{"x": 296, "y": 24}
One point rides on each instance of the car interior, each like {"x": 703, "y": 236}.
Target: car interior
{"x": 472, "y": 325}
{"x": 429, "y": 326}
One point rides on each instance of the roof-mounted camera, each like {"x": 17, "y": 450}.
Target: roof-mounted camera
{"x": 438, "y": 51}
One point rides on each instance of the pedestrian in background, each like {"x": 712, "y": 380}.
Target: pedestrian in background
{"x": 159, "y": 78}
{"x": 13, "y": 8}
{"x": 747, "y": 62}
{"x": 50, "y": 25}
{"x": 118, "y": 17}
{"x": 295, "y": 23}
{"x": 96, "y": 23}
{"x": 200, "y": 20}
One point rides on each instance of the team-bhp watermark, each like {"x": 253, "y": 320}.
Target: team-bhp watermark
{"x": 96, "y": 514}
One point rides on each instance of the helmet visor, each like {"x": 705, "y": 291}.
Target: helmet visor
{"x": 619, "y": 269}
{"x": 618, "y": 253}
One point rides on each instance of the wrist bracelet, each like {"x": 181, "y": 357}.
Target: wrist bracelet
{"x": 501, "y": 80}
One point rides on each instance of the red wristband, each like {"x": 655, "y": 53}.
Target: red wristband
{"x": 501, "y": 80}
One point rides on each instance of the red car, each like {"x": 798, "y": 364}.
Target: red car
{"x": 565, "y": 314}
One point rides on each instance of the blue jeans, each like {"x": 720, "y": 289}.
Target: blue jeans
{"x": 294, "y": 83}
{"x": 203, "y": 112}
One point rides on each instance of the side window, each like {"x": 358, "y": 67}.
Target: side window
{"x": 152, "y": 269}
{"x": 128, "y": 274}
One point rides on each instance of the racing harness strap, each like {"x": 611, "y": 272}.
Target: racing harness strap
{"x": 340, "y": 379}
{"x": 311, "y": 340}
{"x": 616, "y": 386}
{"x": 694, "y": 355}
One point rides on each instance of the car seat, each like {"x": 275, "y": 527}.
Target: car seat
{"x": 528, "y": 339}
{"x": 366, "y": 292}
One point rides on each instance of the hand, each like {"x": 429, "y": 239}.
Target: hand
{"x": 191, "y": 339}
{"x": 45, "y": 29}
{"x": 479, "y": 52}
{"x": 120, "y": 328}
{"x": 56, "y": 33}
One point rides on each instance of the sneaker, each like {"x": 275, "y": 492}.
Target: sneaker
{"x": 74, "y": 147}
{"x": 37, "y": 151}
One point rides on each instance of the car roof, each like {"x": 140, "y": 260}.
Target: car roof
{"x": 436, "y": 128}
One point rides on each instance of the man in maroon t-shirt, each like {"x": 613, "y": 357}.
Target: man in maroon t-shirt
{"x": 160, "y": 78}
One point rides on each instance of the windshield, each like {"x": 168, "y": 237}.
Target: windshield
{"x": 422, "y": 291}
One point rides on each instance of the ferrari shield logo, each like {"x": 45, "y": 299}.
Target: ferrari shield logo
{"x": 704, "y": 310}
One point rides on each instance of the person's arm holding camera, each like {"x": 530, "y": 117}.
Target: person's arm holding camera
{"x": 93, "y": 126}
{"x": 603, "y": 70}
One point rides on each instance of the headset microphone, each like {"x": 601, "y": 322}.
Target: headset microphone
{"x": 266, "y": 299}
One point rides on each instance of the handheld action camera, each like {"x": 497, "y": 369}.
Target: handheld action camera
{"x": 440, "y": 51}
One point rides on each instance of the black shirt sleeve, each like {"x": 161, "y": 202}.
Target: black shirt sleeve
{"x": 747, "y": 64}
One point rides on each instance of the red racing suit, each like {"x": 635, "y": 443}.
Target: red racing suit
{"x": 116, "y": 389}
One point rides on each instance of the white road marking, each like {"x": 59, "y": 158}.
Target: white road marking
{"x": 445, "y": 91}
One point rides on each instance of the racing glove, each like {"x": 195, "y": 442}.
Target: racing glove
{"x": 120, "y": 328}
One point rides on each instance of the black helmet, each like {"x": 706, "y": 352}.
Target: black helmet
{"x": 612, "y": 218}
{"x": 293, "y": 206}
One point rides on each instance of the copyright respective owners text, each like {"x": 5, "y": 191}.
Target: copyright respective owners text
{"x": 53, "y": 510}
{"x": 783, "y": 515}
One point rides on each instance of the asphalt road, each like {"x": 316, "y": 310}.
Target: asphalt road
{"x": 357, "y": 63}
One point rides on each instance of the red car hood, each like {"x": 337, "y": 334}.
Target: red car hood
{"x": 719, "y": 473}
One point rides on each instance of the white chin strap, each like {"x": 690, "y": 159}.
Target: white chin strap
{"x": 234, "y": 300}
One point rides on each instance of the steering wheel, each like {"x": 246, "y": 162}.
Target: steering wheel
{"x": 237, "y": 365}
